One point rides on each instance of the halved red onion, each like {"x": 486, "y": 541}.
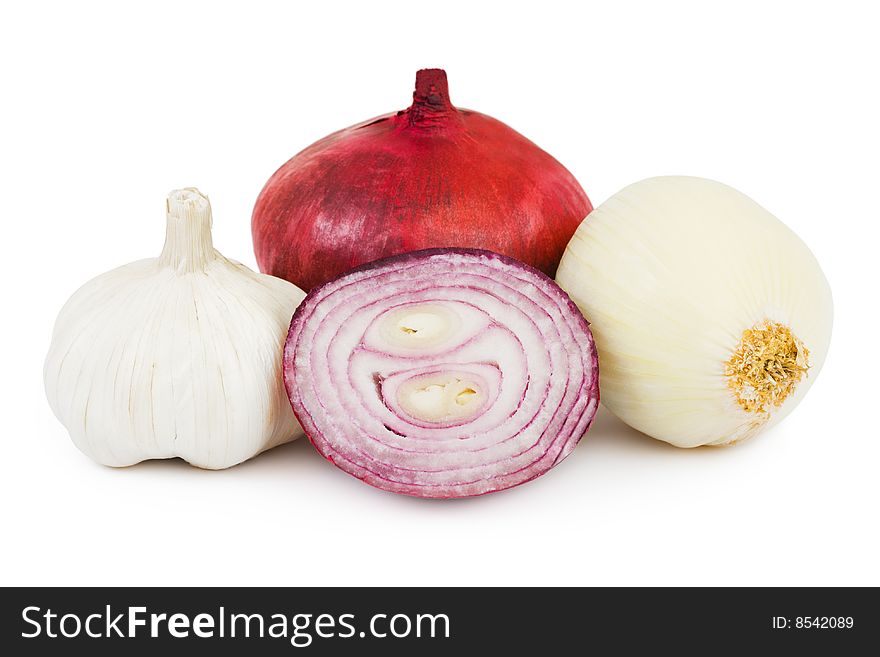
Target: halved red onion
{"x": 442, "y": 373}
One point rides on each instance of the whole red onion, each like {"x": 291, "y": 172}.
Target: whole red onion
{"x": 442, "y": 373}
{"x": 429, "y": 176}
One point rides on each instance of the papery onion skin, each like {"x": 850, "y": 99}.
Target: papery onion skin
{"x": 429, "y": 176}
{"x": 515, "y": 337}
{"x": 683, "y": 279}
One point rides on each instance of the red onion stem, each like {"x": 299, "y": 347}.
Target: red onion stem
{"x": 431, "y": 106}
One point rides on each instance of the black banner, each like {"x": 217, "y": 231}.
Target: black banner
{"x": 421, "y": 621}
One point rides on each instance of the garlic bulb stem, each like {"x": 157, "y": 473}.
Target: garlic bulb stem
{"x": 188, "y": 244}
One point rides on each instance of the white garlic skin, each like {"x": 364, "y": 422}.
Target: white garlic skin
{"x": 670, "y": 271}
{"x": 177, "y": 356}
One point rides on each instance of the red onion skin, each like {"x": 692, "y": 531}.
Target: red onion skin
{"x": 429, "y": 176}
{"x": 313, "y": 434}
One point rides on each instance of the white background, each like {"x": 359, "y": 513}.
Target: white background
{"x": 105, "y": 108}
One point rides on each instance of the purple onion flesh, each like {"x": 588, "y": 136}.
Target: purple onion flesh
{"x": 442, "y": 373}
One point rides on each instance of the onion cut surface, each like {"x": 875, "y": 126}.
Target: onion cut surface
{"x": 442, "y": 373}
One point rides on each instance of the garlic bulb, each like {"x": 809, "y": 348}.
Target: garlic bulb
{"x": 711, "y": 318}
{"x": 177, "y": 356}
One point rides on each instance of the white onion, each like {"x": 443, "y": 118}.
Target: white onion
{"x": 712, "y": 318}
{"x": 442, "y": 373}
